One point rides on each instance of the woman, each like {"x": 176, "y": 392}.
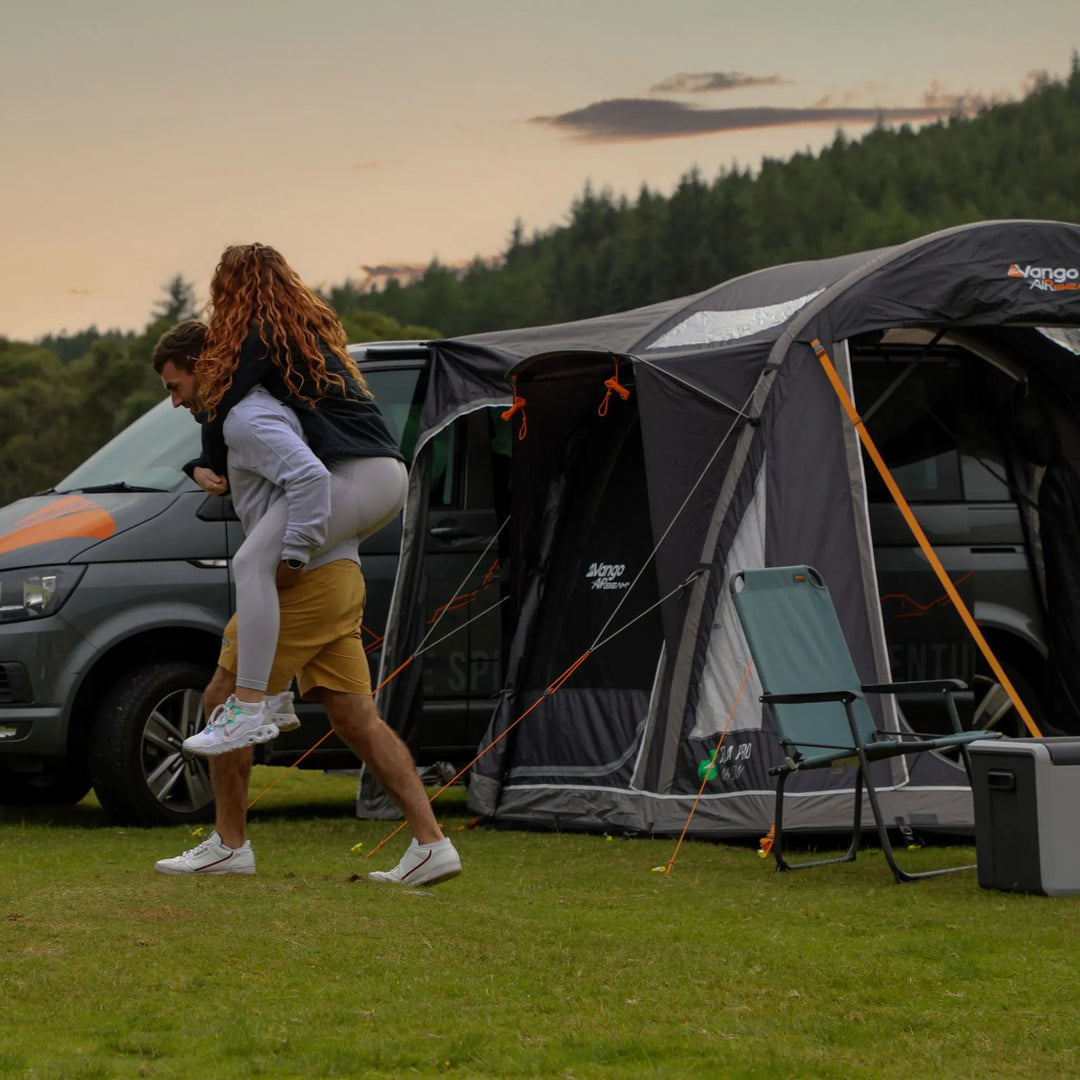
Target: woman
{"x": 267, "y": 327}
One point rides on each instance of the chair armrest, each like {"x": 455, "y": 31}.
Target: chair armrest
{"x": 846, "y": 696}
{"x": 943, "y": 686}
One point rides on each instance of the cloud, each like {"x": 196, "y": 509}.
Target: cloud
{"x": 376, "y": 276}
{"x": 938, "y": 97}
{"x": 702, "y": 82}
{"x": 631, "y": 119}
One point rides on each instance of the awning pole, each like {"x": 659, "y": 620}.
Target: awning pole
{"x": 920, "y": 536}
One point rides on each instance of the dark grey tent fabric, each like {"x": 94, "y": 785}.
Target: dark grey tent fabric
{"x": 732, "y": 452}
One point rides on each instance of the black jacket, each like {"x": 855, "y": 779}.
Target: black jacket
{"x": 338, "y": 425}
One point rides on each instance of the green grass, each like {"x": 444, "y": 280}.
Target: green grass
{"x": 551, "y": 956}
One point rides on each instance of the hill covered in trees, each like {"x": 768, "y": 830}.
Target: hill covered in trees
{"x": 63, "y": 396}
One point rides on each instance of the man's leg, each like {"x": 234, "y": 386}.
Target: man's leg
{"x": 230, "y": 775}
{"x": 357, "y": 722}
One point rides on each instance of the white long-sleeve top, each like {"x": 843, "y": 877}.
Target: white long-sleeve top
{"x": 269, "y": 459}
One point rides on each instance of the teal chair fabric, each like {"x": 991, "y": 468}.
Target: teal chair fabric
{"x": 817, "y": 704}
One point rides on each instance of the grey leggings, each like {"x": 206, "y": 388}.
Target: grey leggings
{"x": 365, "y": 495}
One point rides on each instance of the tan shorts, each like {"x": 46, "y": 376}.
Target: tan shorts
{"x": 320, "y": 639}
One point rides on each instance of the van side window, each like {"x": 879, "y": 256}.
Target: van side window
{"x": 399, "y": 393}
{"x": 934, "y": 419}
{"x": 445, "y": 467}
{"x": 901, "y": 403}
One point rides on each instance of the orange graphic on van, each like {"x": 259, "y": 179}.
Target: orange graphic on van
{"x": 902, "y": 606}
{"x": 68, "y": 518}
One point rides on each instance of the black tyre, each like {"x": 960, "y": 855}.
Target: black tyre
{"x": 58, "y": 785}
{"x": 140, "y": 774}
{"x": 993, "y": 709}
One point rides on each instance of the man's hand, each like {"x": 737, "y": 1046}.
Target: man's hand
{"x": 288, "y": 576}
{"x": 210, "y": 481}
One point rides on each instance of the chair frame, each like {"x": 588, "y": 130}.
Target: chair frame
{"x": 863, "y": 753}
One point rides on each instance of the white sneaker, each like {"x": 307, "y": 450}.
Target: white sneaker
{"x": 211, "y": 857}
{"x": 427, "y": 865}
{"x": 279, "y": 709}
{"x": 231, "y": 728}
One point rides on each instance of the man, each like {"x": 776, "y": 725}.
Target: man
{"x": 319, "y": 639}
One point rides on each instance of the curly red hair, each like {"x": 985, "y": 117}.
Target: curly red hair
{"x": 254, "y": 283}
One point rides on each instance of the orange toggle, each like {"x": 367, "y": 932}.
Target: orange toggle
{"x": 613, "y": 384}
{"x": 517, "y": 407}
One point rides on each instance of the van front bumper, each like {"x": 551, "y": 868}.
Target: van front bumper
{"x": 32, "y": 730}
{"x": 36, "y": 657}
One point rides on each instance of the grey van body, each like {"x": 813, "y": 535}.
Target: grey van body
{"x": 112, "y": 604}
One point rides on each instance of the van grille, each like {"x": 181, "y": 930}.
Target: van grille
{"x": 14, "y": 684}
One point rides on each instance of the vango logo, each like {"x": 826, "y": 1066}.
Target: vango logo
{"x": 1047, "y": 278}
{"x": 607, "y": 575}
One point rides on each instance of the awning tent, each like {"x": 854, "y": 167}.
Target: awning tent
{"x": 731, "y": 451}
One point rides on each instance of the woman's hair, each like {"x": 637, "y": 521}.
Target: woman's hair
{"x": 254, "y": 284}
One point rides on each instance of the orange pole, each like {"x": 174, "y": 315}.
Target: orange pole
{"x": 920, "y": 536}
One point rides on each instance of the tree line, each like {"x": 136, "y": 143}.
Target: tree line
{"x": 64, "y": 395}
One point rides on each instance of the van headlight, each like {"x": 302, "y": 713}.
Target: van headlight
{"x": 36, "y": 592}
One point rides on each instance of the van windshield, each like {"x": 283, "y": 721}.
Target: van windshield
{"x": 148, "y": 454}
{"x": 151, "y": 452}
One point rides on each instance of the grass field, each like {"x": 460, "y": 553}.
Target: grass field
{"x": 551, "y": 956}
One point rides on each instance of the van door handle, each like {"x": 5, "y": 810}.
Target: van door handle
{"x": 451, "y": 532}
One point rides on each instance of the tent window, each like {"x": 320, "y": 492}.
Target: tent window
{"x": 1068, "y": 337}
{"x": 713, "y": 327}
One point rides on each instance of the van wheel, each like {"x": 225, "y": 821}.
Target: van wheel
{"x": 58, "y": 785}
{"x": 993, "y": 708}
{"x": 140, "y": 774}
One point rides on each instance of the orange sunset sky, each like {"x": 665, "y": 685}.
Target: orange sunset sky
{"x": 141, "y": 137}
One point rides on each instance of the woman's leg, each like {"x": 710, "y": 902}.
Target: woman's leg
{"x": 366, "y": 494}
{"x": 258, "y": 615}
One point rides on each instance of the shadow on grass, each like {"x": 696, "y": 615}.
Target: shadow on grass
{"x": 298, "y": 795}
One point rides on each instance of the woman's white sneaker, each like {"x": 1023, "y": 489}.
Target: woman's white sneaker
{"x": 231, "y": 728}
{"x": 280, "y": 711}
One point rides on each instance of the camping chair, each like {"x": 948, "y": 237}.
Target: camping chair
{"x": 817, "y": 702}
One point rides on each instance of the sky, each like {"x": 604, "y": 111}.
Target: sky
{"x": 138, "y": 138}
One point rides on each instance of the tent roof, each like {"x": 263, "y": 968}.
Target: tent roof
{"x": 921, "y": 274}
{"x": 983, "y": 274}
